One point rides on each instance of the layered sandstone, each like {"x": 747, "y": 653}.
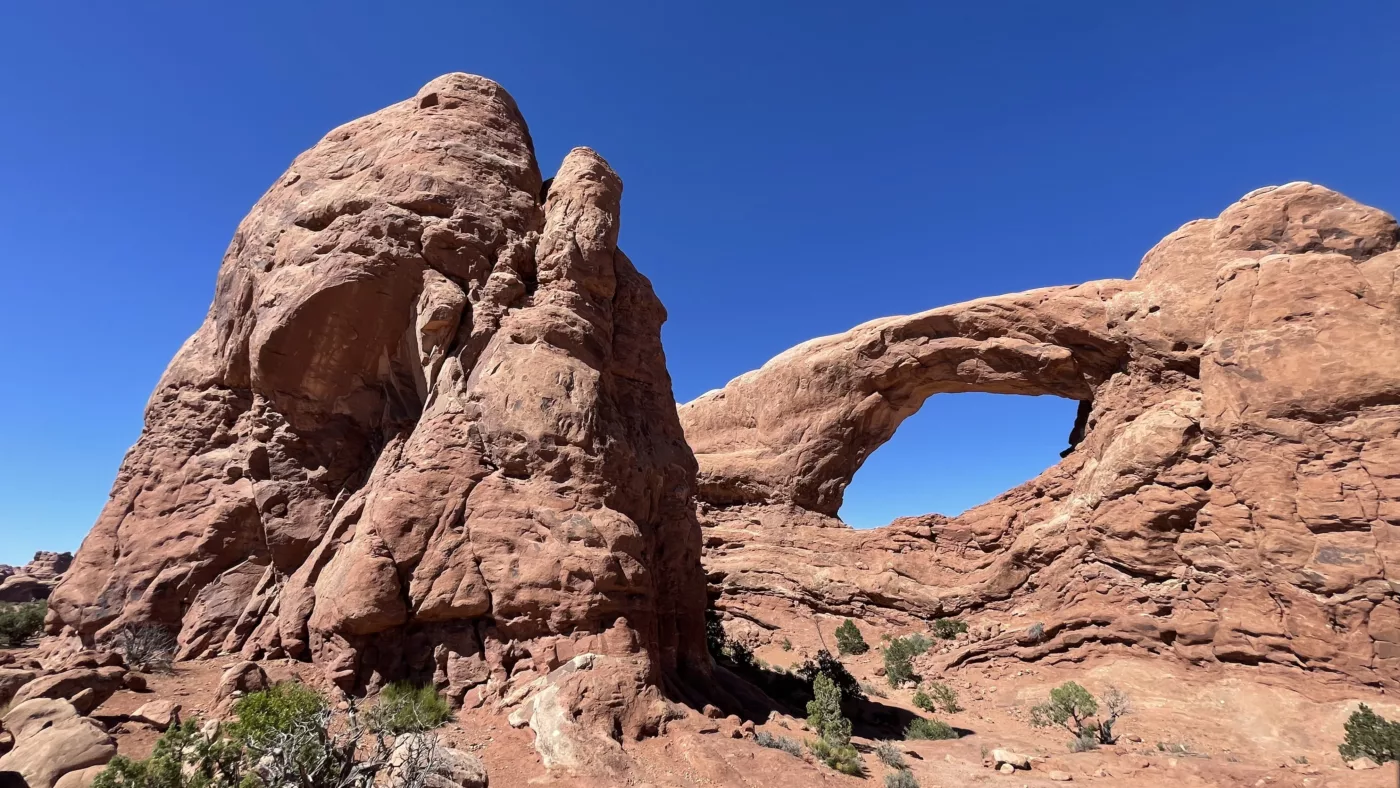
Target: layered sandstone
{"x": 425, "y": 431}
{"x": 1234, "y": 494}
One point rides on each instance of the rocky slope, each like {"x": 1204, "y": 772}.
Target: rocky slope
{"x": 1233, "y": 494}
{"x": 425, "y": 431}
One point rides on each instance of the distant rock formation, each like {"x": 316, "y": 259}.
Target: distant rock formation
{"x": 425, "y": 431}
{"x": 35, "y": 580}
{"x": 1234, "y": 496}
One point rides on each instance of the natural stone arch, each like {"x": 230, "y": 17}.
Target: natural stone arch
{"x": 1236, "y": 495}
{"x": 797, "y": 429}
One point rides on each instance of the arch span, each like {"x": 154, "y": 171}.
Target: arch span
{"x": 797, "y": 430}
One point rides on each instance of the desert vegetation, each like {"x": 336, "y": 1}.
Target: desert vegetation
{"x": 833, "y": 743}
{"x": 849, "y": 640}
{"x": 288, "y": 737}
{"x": 1369, "y": 735}
{"x": 1076, "y": 710}
{"x": 899, "y": 656}
{"x": 20, "y": 622}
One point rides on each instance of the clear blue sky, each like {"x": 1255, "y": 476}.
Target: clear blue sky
{"x": 792, "y": 169}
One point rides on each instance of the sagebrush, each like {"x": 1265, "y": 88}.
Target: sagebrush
{"x": 789, "y": 746}
{"x": 405, "y": 708}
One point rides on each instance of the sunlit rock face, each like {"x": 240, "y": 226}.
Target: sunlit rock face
{"x": 425, "y": 431}
{"x": 1235, "y": 496}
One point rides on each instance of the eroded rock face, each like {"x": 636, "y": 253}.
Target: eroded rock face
{"x": 426, "y": 429}
{"x": 36, "y": 579}
{"x": 1235, "y": 495}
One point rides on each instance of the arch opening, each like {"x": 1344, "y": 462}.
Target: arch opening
{"x": 958, "y": 451}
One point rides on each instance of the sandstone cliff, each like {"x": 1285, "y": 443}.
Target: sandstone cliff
{"x": 1235, "y": 495}
{"x": 425, "y": 431}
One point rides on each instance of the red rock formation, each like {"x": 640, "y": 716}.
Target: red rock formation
{"x": 426, "y": 429}
{"x": 1236, "y": 495}
{"x": 36, "y": 579}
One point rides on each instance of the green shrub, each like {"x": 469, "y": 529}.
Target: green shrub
{"x": 1072, "y": 707}
{"x": 891, "y": 756}
{"x": 183, "y": 758}
{"x": 848, "y": 639}
{"x": 831, "y": 667}
{"x": 20, "y": 622}
{"x": 786, "y": 644}
{"x": 405, "y": 708}
{"x": 899, "y": 658}
{"x": 948, "y": 628}
{"x": 902, "y": 778}
{"x": 844, "y": 758}
{"x": 923, "y": 701}
{"x": 278, "y": 709}
{"x": 920, "y": 728}
{"x": 766, "y": 739}
{"x": 1371, "y": 735}
{"x": 945, "y": 697}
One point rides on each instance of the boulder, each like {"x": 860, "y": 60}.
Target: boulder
{"x": 35, "y": 580}
{"x": 79, "y": 778}
{"x": 239, "y": 679}
{"x": 86, "y": 688}
{"x": 159, "y": 714}
{"x": 52, "y": 740}
{"x": 11, "y": 680}
{"x": 1016, "y": 760}
{"x": 447, "y": 767}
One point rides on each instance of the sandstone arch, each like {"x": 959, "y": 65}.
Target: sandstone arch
{"x": 1236, "y": 495}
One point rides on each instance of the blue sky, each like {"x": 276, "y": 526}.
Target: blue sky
{"x": 792, "y": 169}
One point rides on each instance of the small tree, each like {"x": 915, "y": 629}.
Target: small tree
{"x": 831, "y": 667}
{"x": 833, "y": 744}
{"x": 1072, "y": 707}
{"x": 1372, "y": 736}
{"x": 20, "y": 622}
{"x": 848, "y": 639}
{"x": 899, "y": 658}
{"x": 183, "y": 758}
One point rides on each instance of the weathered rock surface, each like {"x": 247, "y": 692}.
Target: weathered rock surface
{"x": 36, "y": 579}
{"x": 85, "y": 688}
{"x": 1233, "y": 493}
{"x": 425, "y": 431}
{"x": 52, "y": 740}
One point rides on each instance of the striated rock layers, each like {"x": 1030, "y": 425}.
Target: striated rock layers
{"x": 36, "y": 579}
{"x": 426, "y": 430}
{"x": 1234, "y": 494}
